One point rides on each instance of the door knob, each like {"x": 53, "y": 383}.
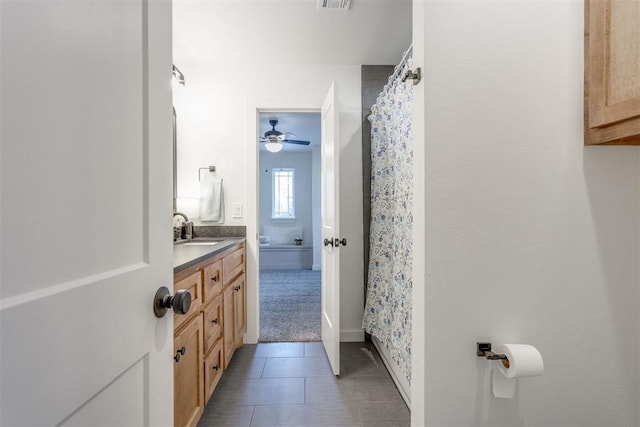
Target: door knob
{"x": 335, "y": 242}
{"x": 180, "y": 302}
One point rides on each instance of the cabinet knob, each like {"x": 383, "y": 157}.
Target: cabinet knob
{"x": 215, "y": 368}
{"x": 215, "y": 321}
{"x": 214, "y": 278}
{"x": 237, "y": 288}
{"x": 180, "y": 302}
{"x": 328, "y": 242}
{"x": 179, "y": 353}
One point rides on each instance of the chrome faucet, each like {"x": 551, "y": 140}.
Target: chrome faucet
{"x": 186, "y": 218}
{"x": 185, "y": 230}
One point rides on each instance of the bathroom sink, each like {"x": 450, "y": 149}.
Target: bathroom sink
{"x": 199, "y": 243}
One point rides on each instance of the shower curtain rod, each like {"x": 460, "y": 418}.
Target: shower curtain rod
{"x": 415, "y": 76}
{"x": 402, "y": 62}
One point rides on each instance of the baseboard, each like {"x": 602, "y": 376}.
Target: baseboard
{"x": 402, "y": 384}
{"x": 354, "y": 335}
{"x": 283, "y": 266}
{"x": 316, "y": 267}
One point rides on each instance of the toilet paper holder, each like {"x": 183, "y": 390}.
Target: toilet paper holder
{"x": 483, "y": 349}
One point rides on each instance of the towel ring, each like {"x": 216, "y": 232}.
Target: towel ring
{"x": 210, "y": 169}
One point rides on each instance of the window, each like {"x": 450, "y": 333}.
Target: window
{"x": 283, "y": 199}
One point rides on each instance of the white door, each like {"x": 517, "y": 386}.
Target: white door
{"x": 85, "y": 196}
{"x": 330, "y": 230}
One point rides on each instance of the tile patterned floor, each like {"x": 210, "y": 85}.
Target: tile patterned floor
{"x": 291, "y": 384}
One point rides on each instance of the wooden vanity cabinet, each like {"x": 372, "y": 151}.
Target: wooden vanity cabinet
{"x": 234, "y": 306}
{"x": 233, "y": 264}
{"x": 611, "y": 78}
{"x": 213, "y": 368}
{"x": 239, "y": 310}
{"x": 210, "y": 332}
{"x": 229, "y": 336}
{"x": 192, "y": 283}
{"x": 233, "y": 301}
{"x": 213, "y": 316}
{"x": 212, "y": 279}
{"x": 188, "y": 374}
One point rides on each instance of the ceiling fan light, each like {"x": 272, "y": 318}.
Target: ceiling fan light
{"x": 273, "y": 147}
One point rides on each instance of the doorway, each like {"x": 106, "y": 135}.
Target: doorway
{"x": 330, "y": 215}
{"x": 289, "y": 226}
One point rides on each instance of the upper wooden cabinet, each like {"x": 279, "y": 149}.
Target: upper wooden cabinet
{"x": 612, "y": 72}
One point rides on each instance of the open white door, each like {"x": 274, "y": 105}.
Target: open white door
{"x": 85, "y": 196}
{"x": 330, "y": 230}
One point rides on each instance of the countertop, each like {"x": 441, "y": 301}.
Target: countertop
{"x": 186, "y": 255}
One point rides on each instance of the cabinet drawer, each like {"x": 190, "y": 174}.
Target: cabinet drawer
{"x": 212, "y": 322}
{"x": 212, "y": 280}
{"x": 193, "y": 284}
{"x": 233, "y": 264}
{"x": 212, "y": 369}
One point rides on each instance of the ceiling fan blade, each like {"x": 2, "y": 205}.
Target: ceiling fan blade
{"x": 295, "y": 141}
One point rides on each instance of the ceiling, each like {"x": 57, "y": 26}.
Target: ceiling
{"x": 305, "y": 126}
{"x": 372, "y": 32}
{"x": 266, "y": 32}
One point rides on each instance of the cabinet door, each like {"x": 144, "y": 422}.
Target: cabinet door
{"x": 612, "y": 81}
{"x": 213, "y": 369}
{"x": 239, "y": 305}
{"x": 212, "y": 322}
{"x": 192, "y": 283}
{"x": 212, "y": 280}
{"x": 228, "y": 301}
{"x": 188, "y": 374}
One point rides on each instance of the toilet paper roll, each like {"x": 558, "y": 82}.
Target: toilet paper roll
{"x": 523, "y": 360}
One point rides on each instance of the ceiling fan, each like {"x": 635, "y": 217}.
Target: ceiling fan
{"x": 273, "y": 138}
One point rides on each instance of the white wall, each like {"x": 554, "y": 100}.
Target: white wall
{"x": 301, "y": 162}
{"x": 212, "y": 111}
{"x": 530, "y": 237}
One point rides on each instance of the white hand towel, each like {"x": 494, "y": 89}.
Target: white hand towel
{"x": 211, "y": 200}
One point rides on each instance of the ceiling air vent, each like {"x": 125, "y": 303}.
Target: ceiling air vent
{"x": 334, "y": 4}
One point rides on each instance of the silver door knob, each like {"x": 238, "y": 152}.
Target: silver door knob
{"x": 180, "y": 303}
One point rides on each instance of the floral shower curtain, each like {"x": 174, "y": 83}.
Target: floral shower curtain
{"x": 388, "y": 302}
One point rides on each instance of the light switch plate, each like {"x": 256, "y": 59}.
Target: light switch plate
{"x": 237, "y": 210}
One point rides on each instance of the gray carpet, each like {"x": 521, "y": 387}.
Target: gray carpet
{"x": 289, "y": 305}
